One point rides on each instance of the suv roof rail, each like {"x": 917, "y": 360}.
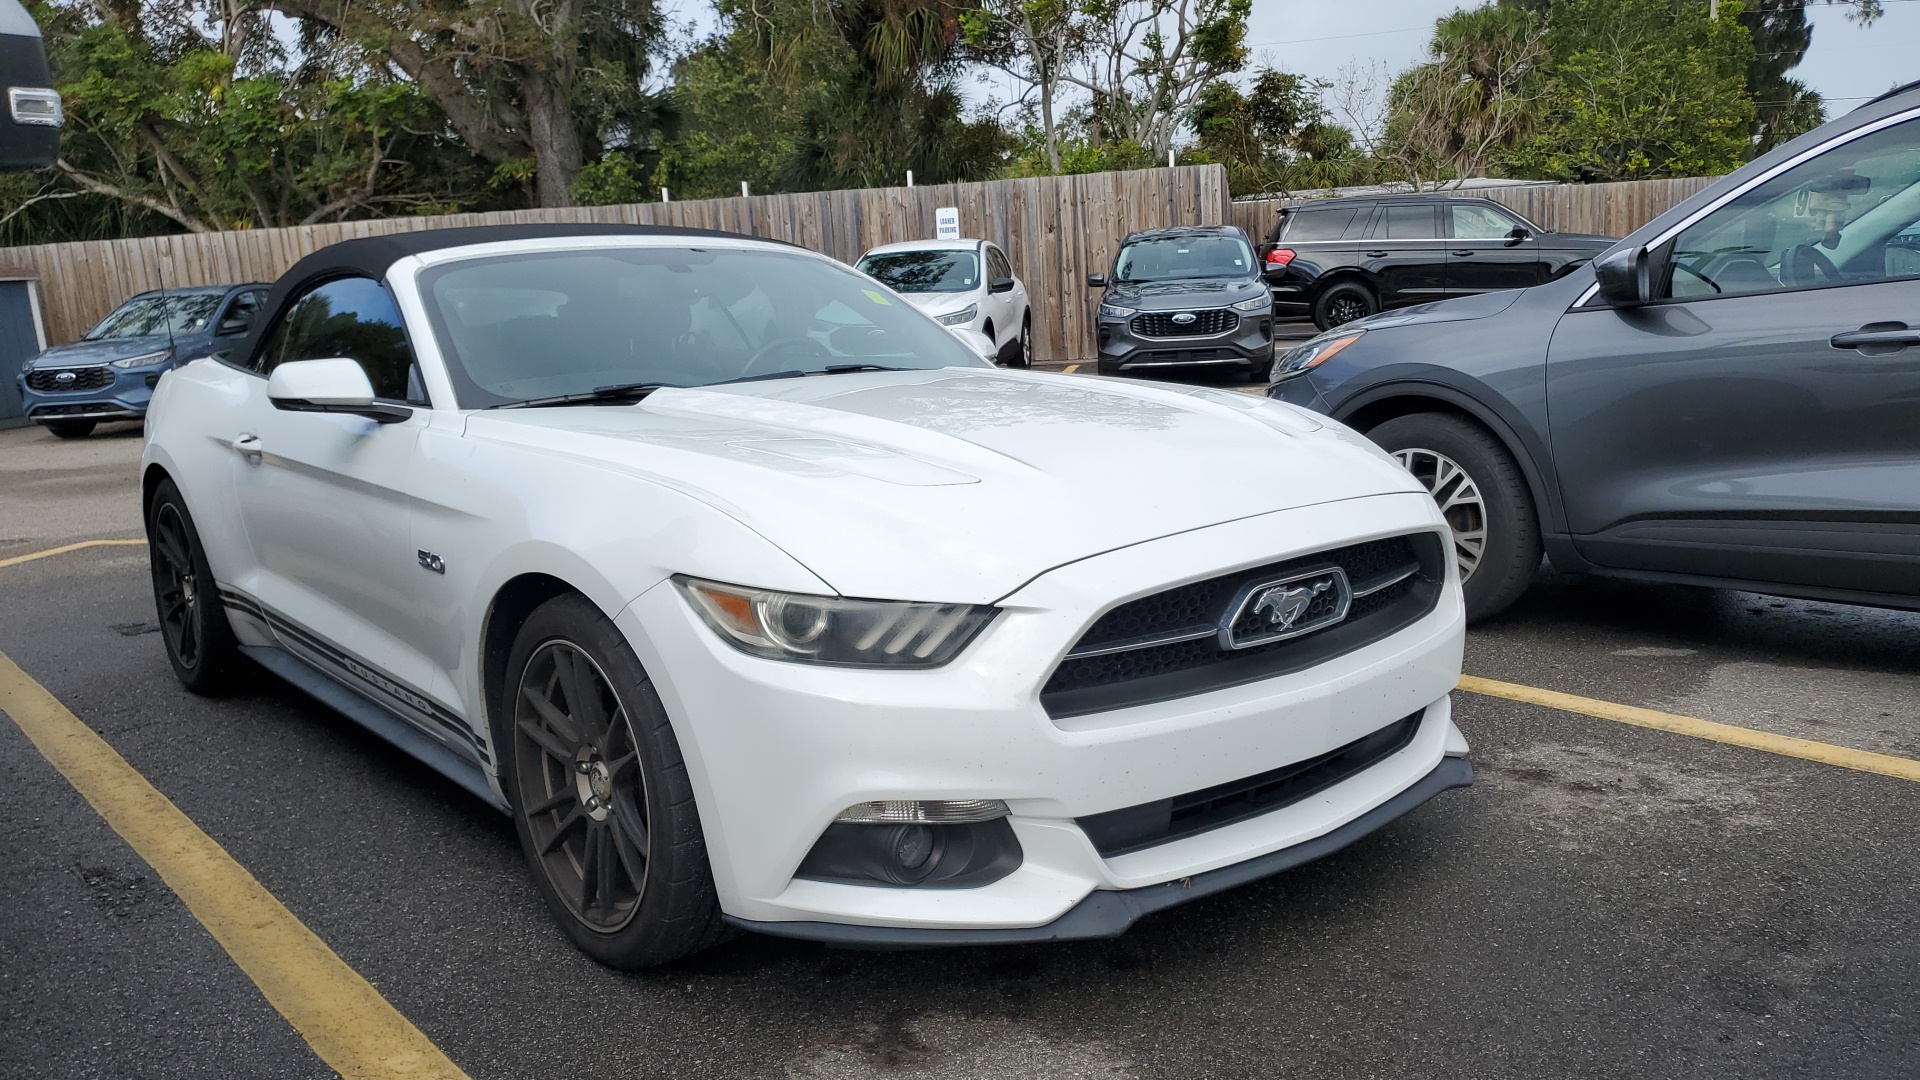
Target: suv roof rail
{"x": 1894, "y": 93}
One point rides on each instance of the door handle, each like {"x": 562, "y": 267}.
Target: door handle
{"x": 1877, "y": 338}
{"x": 247, "y": 445}
{"x": 1378, "y": 254}
{"x": 1458, "y": 253}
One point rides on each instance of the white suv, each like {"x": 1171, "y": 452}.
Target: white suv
{"x": 966, "y": 284}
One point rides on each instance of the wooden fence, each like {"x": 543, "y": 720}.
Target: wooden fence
{"x": 1055, "y": 229}
{"x": 1602, "y": 209}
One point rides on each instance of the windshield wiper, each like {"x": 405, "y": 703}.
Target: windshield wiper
{"x": 797, "y": 373}
{"x": 619, "y": 392}
{"x": 844, "y": 369}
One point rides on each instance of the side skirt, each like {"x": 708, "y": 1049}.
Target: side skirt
{"x": 427, "y": 750}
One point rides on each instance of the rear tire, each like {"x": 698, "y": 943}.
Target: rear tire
{"x": 1485, "y": 498}
{"x": 71, "y": 429}
{"x": 600, "y": 793}
{"x": 193, "y": 622}
{"x": 1342, "y": 303}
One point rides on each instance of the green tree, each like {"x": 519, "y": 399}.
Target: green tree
{"x": 1275, "y": 136}
{"x": 1035, "y": 41}
{"x": 1147, "y": 62}
{"x": 1475, "y": 99}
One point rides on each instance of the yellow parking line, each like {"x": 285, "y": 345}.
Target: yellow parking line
{"x": 30, "y": 556}
{"x": 346, "y": 1021}
{"x": 1071, "y": 368}
{"x": 1785, "y": 745}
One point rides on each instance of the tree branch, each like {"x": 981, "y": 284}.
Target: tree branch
{"x": 102, "y": 187}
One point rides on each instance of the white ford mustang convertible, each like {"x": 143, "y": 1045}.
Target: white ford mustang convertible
{"x": 760, "y": 600}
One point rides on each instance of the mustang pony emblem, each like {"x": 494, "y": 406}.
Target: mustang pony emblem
{"x": 1281, "y": 606}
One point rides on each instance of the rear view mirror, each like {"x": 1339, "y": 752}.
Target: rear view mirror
{"x": 1623, "y": 277}
{"x": 1001, "y": 284}
{"x": 231, "y": 327}
{"x": 981, "y": 344}
{"x": 1096, "y": 281}
{"x": 335, "y": 386}
{"x": 1518, "y": 235}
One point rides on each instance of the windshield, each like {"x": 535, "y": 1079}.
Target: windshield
{"x": 1169, "y": 258}
{"x": 147, "y": 316}
{"x": 515, "y": 327}
{"x": 924, "y": 271}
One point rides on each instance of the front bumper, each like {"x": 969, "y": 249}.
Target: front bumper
{"x": 1248, "y": 347}
{"x": 775, "y": 750}
{"x": 125, "y": 398}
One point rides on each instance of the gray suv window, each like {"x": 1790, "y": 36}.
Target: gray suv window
{"x": 1841, "y": 218}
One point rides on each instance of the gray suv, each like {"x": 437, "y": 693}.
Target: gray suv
{"x": 1185, "y": 298}
{"x": 1730, "y": 396}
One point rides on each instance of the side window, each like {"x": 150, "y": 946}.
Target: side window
{"x": 1405, "y": 222}
{"x": 1471, "y": 221}
{"x": 1845, "y": 217}
{"x": 354, "y": 318}
{"x": 997, "y": 265}
{"x": 1307, "y": 225}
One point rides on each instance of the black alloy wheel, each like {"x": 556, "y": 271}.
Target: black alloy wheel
{"x": 193, "y": 622}
{"x": 600, "y": 793}
{"x": 1342, "y": 303}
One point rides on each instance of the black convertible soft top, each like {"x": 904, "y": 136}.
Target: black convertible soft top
{"x": 373, "y": 256}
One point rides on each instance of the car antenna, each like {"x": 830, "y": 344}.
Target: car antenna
{"x": 160, "y": 268}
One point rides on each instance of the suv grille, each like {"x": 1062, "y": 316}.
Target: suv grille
{"x": 1170, "y": 644}
{"x": 86, "y": 378}
{"x": 1118, "y": 832}
{"x": 1161, "y": 324}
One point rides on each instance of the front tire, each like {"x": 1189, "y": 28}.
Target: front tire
{"x": 600, "y": 794}
{"x": 1342, "y": 303}
{"x": 1485, "y": 498}
{"x": 193, "y": 622}
{"x": 71, "y": 429}
{"x": 1018, "y": 353}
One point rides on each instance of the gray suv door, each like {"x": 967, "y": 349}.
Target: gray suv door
{"x": 1760, "y": 419}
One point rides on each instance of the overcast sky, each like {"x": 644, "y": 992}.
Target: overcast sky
{"x": 1317, "y": 38}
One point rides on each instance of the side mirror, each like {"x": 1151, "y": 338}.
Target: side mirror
{"x": 231, "y": 327}
{"x": 1518, "y": 235}
{"x": 331, "y": 386}
{"x": 1096, "y": 281}
{"x": 981, "y": 345}
{"x": 1623, "y": 277}
{"x": 1001, "y": 284}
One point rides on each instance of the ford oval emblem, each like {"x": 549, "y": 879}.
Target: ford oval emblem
{"x": 65, "y": 377}
{"x": 1184, "y": 318}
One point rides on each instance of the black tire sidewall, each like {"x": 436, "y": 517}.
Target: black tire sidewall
{"x": 219, "y": 651}
{"x": 71, "y": 429}
{"x": 1512, "y": 553}
{"x": 679, "y": 912}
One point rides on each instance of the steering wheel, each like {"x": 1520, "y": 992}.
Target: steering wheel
{"x": 1806, "y": 265}
{"x": 814, "y": 350}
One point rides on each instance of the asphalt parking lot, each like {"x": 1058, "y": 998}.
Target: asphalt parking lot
{"x": 1607, "y": 900}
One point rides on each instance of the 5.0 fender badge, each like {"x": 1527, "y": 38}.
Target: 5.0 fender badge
{"x": 431, "y": 561}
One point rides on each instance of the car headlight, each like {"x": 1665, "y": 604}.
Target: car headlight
{"x": 1258, "y": 303}
{"x": 1314, "y": 353}
{"x": 957, "y": 318}
{"x": 144, "y": 360}
{"x": 834, "y": 629}
{"x": 1114, "y": 311}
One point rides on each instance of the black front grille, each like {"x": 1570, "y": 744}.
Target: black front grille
{"x": 1132, "y": 828}
{"x": 1163, "y": 324}
{"x": 86, "y": 378}
{"x": 1167, "y": 645}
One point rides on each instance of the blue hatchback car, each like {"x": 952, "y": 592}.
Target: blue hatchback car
{"x": 110, "y": 373}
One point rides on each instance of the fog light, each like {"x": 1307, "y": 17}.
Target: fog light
{"x": 923, "y": 811}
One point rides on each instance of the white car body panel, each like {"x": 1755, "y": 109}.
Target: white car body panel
{"x": 1054, "y": 497}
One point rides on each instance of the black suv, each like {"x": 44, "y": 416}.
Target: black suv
{"x": 1730, "y": 396}
{"x": 1344, "y": 259}
{"x": 1187, "y": 297}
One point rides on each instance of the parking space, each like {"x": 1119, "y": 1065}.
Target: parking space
{"x": 1607, "y": 900}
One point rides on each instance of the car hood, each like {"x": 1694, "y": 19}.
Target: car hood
{"x": 1460, "y": 309}
{"x": 940, "y": 303}
{"x": 82, "y": 353}
{"x": 961, "y": 485}
{"x": 1184, "y": 295}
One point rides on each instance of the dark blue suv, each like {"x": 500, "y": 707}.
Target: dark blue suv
{"x": 110, "y": 373}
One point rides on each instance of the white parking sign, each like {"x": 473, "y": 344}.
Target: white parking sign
{"x": 946, "y": 223}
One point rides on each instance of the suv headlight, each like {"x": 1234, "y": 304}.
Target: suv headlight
{"x": 144, "y": 360}
{"x": 1115, "y": 311}
{"x": 959, "y": 318}
{"x": 1314, "y": 353}
{"x": 834, "y": 629}
{"x": 1258, "y": 303}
